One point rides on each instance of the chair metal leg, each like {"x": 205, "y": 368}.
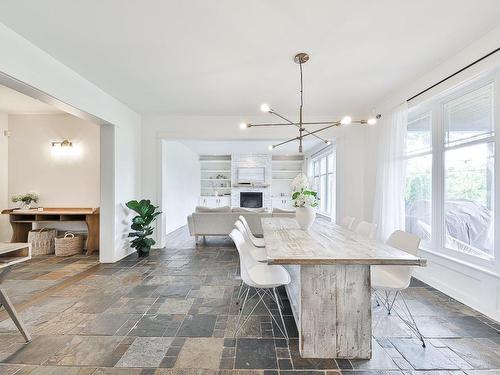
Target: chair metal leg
{"x": 390, "y": 304}
{"x": 278, "y": 299}
{"x": 402, "y": 311}
{"x": 386, "y": 300}
{"x": 283, "y": 332}
{"x": 241, "y": 289}
{"x": 261, "y": 294}
{"x": 411, "y": 323}
{"x": 238, "y": 325}
{"x": 376, "y": 297}
{"x": 281, "y": 315}
{"x": 270, "y": 294}
{"x": 9, "y": 307}
{"x": 241, "y": 312}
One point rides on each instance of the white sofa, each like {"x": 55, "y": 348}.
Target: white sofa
{"x": 220, "y": 221}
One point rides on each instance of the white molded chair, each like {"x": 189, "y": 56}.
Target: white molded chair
{"x": 259, "y": 253}
{"x": 347, "y": 222}
{"x": 388, "y": 282}
{"x": 261, "y": 277}
{"x": 258, "y": 242}
{"x": 366, "y": 229}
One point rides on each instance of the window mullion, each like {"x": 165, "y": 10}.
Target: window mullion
{"x": 496, "y": 201}
{"x": 437, "y": 176}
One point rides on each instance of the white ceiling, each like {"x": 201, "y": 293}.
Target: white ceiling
{"x": 225, "y": 57}
{"x": 13, "y": 102}
{"x": 202, "y": 147}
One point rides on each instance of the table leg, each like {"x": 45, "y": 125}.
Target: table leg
{"x": 335, "y": 311}
{"x": 92, "y": 222}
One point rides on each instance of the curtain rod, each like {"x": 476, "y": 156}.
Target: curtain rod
{"x": 454, "y": 74}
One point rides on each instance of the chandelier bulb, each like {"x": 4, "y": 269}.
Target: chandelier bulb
{"x": 265, "y": 108}
{"x": 346, "y": 120}
{"x": 243, "y": 125}
{"x": 371, "y": 121}
{"x": 270, "y": 147}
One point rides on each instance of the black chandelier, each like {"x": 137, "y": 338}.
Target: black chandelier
{"x": 302, "y": 58}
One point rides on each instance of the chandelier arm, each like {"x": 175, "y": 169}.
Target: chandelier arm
{"x": 285, "y": 142}
{"x": 319, "y": 130}
{"x": 362, "y": 122}
{"x": 267, "y": 124}
{"x": 296, "y": 125}
{"x": 273, "y": 112}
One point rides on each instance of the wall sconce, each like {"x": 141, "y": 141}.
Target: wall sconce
{"x": 64, "y": 143}
{"x": 64, "y": 149}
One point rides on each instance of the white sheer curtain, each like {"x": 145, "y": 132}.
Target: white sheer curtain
{"x": 389, "y": 206}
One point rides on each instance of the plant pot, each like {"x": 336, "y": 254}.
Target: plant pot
{"x": 305, "y": 217}
{"x": 143, "y": 252}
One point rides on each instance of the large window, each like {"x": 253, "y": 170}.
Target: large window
{"x": 450, "y": 153}
{"x": 419, "y": 175}
{"x": 323, "y": 175}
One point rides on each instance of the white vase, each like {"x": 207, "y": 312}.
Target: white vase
{"x": 305, "y": 217}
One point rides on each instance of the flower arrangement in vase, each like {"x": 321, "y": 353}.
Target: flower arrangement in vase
{"x": 26, "y": 199}
{"x": 305, "y": 200}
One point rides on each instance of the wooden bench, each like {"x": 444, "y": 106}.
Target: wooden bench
{"x": 12, "y": 253}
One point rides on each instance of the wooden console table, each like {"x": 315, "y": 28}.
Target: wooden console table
{"x": 22, "y": 222}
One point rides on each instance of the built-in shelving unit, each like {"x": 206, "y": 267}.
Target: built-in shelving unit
{"x": 216, "y": 182}
{"x": 287, "y": 167}
{"x": 284, "y": 170}
{"x": 215, "y": 175}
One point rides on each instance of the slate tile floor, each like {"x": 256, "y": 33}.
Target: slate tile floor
{"x": 175, "y": 313}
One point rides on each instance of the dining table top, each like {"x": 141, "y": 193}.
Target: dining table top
{"x": 327, "y": 243}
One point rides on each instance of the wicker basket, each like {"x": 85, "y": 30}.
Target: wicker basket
{"x": 69, "y": 244}
{"x": 42, "y": 241}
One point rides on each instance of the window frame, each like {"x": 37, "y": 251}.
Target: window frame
{"x": 436, "y": 106}
{"x": 420, "y": 111}
{"x": 330, "y": 177}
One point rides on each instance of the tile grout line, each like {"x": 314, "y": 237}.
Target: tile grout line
{"x": 46, "y": 293}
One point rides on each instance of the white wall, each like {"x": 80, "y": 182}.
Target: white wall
{"x": 350, "y": 140}
{"x": 181, "y": 183}
{"x": 5, "y": 229}
{"x": 121, "y": 168}
{"x": 478, "y": 287}
{"x": 61, "y": 181}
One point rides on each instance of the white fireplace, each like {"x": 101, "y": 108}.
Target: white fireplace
{"x": 261, "y": 164}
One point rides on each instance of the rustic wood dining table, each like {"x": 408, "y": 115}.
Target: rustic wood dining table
{"x": 330, "y": 288}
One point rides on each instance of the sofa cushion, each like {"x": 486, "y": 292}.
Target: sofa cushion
{"x": 216, "y": 209}
{"x": 283, "y": 211}
{"x": 222, "y": 223}
{"x": 246, "y": 209}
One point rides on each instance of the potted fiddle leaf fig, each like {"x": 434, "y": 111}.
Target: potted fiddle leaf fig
{"x": 142, "y": 225}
